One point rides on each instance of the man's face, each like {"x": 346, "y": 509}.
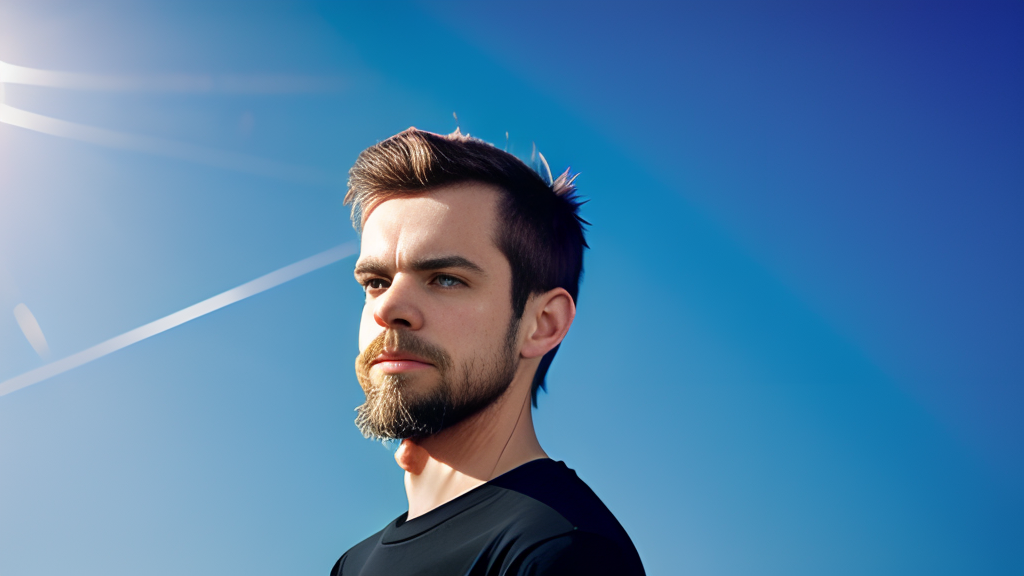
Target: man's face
{"x": 437, "y": 342}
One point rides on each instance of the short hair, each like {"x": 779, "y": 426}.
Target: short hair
{"x": 540, "y": 230}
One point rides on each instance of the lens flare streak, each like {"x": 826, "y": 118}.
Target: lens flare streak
{"x": 30, "y": 328}
{"x": 171, "y": 83}
{"x": 251, "y": 288}
{"x": 166, "y": 148}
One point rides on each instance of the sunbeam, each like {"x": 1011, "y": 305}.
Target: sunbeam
{"x": 251, "y": 288}
{"x": 165, "y": 148}
{"x": 172, "y": 83}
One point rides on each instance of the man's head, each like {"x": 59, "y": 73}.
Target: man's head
{"x": 458, "y": 238}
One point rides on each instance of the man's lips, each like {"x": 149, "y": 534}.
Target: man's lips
{"x": 392, "y": 362}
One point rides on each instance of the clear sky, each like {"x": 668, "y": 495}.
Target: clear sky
{"x": 800, "y": 340}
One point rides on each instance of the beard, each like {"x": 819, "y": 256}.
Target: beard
{"x": 393, "y": 411}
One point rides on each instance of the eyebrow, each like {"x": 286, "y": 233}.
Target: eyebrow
{"x": 378, "y": 267}
{"x": 374, "y": 266}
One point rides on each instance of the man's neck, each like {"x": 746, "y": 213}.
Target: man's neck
{"x": 441, "y": 467}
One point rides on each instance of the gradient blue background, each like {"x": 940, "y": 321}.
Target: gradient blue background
{"x": 800, "y": 340}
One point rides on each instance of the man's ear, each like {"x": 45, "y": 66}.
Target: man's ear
{"x": 547, "y": 319}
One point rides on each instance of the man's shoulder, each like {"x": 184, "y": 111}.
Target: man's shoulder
{"x": 564, "y": 528}
{"x": 557, "y": 487}
{"x": 579, "y": 553}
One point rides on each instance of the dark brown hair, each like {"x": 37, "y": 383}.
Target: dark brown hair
{"x": 541, "y": 232}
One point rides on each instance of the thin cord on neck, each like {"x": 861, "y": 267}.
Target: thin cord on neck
{"x": 491, "y": 475}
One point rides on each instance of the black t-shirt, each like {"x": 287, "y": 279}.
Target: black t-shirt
{"x": 537, "y": 519}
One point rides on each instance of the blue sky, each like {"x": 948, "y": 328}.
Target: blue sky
{"x": 798, "y": 348}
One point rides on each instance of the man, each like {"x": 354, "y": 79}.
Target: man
{"x": 471, "y": 265}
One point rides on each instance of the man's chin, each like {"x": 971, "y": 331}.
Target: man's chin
{"x": 397, "y": 429}
{"x": 396, "y": 409}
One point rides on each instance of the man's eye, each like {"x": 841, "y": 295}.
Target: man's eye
{"x": 375, "y": 284}
{"x": 447, "y": 281}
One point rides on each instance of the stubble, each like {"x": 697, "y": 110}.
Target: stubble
{"x": 394, "y": 411}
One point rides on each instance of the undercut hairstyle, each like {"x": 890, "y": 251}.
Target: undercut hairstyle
{"x": 540, "y": 230}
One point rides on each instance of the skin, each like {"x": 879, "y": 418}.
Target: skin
{"x": 412, "y": 283}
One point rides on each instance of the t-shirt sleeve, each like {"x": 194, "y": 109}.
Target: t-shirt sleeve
{"x": 580, "y": 553}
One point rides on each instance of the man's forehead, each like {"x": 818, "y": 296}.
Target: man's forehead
{"x": 452, "y": 219}
{"x": 462, "y": 197}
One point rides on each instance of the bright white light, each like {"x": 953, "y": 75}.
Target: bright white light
{"x": 30, "y": 328}
{"x": 251, "y": 288}
{"x": 12, "y": 74}
{"x": 166, "y": 148}
{"x": 181, "y": 83}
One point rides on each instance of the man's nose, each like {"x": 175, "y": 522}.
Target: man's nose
{"x": 398, "y": 306}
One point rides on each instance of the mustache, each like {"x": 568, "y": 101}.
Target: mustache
{"x": 399, "y": 342}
